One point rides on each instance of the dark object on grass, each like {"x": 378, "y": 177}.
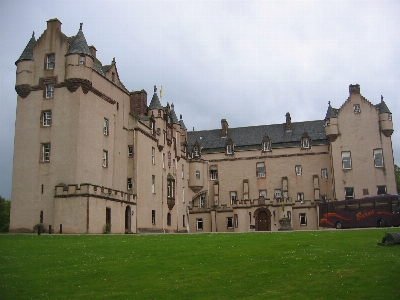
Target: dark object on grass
{"x": 390, "y": 239}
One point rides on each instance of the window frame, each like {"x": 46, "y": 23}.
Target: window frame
{"x": 49, "y": 93}
{"x": 298, "y": 170}
{"x": 324, "y": 173}
{"x": 229, "y": 149}
{"x": 130, "y": 150}
{"x": 105, "y": 158}
{"x": 199, "y": 223}
{"x": 45, "y": 149}
{"x": 153, "y": 217}
{"x": 378, "y": 187}
{"x": 346, "y": 159}
{"x": 303, "y": 219}
{"x": 375, "y": 153}
{"x": 357, "y": 108}
{"x": 300, "y": 197}
{"x": 348, "y": 196}
{"x": 153, "y": 155}
{"x": 260, "y": 168}
{"x": 229, "y": 222}
{"x": 197, "y": 175}
{"x": 106, "y": 124}
{"x": 260, "y": 192}
{"x": 82, "y": 60}
{"x": 46, "y": 118}
{"x": 202, "y": 200}
{"x": 170, "y": 188}
{"x": 266, "y": 146}
{"x": 233, "y": 197}
{"x": 153, "y": 184}
{"x": 276, "y": 192}
{"x": 50, "y": 61}
{"x": 129, "y": 183}
{"x": 213, "y": 173}
{"x": 305, "y": 143}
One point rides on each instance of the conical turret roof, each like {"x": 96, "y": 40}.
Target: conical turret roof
{"x": 155, "y": 102}
{"x": 79, "y": 44}
{"x": 27, "y": 54}
{"x": 331, "y": 112}
{"x": 383, "y": 107}
{"x": 173, "y": 114}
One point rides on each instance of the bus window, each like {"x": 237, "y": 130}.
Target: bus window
{"x": 352, "y": 205}
{"x": 395, "y": 206}
{"x": 339, "y": 206}
{"x": 366, "y": 204}
{"x": 382, "y": 203}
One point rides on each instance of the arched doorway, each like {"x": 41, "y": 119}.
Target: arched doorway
{"x": 263, "y": 219}
{"x": 128, "y": 219}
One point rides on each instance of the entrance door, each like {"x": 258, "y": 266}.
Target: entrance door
{"x": 264, "y": 221}
{"x": 128, "y": 219}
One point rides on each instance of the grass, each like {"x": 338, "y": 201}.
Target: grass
{"x": 329, "y": 264}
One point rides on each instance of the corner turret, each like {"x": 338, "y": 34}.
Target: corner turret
{"x": 385, "y": 119}
{"x": 331, "y": 123}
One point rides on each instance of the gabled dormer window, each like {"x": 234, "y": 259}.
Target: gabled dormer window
{"x": 266, "y": 144}
{"x": 196, "y": 150}
{"x": 229, "y": 147}
{"x": 357, "y": 108}
{"x": 305, "y": 141}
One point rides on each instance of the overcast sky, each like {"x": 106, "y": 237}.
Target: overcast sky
{"x": 249, "y": 62}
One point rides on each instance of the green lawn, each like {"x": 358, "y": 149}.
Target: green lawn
{"x": 329, "y": 264}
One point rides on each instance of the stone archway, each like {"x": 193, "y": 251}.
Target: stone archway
{"x": 128, "y": 219}
{"x": 262, "y": 217}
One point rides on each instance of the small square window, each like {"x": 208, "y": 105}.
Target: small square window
{"x": 278, "y": 193}
{"x": 298, "y": 170}
{"x": 381, "y": 189}
{"x": 50, "y": 90}
{"x": 303, "y": 219}
{"x": 199, "y": 224}
{"x": 233, "y": 196}
{"x": 357, "y": 108}
{"x": 262, "y": 193}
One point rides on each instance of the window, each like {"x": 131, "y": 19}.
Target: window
{"x": 153, "y": 217}
{"x": 153, "y": 184}
{"x": 129, "y": 183}
{"x": 229, "y": 222}
{"x": 152, "y": 127}
{"x": 153, "y": 154}
{"x": 82, "y": 59}
{"x": 266, "y": 146}
{"x": 381, "y": 189}
{"x": 357, "y": 108}
{"x": 202, "y": 200}
{"x": 197, "y": 174}
{"x": 262, "y": 193}
{"x": 105, "y": 159}
{"x": 298, "y": 170}
{"x": 233, "y": 196}
{"x": 105, "y": 126}
{"x": 278, "y": 193}
{"x": 163, "y": 160}
{"x": 260, "y": 170}
{"x": 199, "y": 224}
{"x": 168, "y": 219}
{"x": 300, "y": 197}
{"x": 196, "y": 151}
{"x": 303, "y": 219}
{"x": 50, "y": 61}
{"x": 183, "y": 171}
{"x": 46, "y": 118}
{"x": 229, "y": 149}
{"x": 213, "y": 173}
{"x": 324, "y": 173}
{"x": 349, "y": 193}
{"x": 346, "y": 159}
{"x": 50, "y": 90}
{"x": 390, "y": 118}
{"x": 108, "y": 215}
{"x": 170, "y": 188}
{"x": 305, "y": 143}
{"x": 45, "y": 152}
{"x": 378, "y": 158}
{"x": 130, "y": 150}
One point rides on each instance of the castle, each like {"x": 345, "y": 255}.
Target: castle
{"x": 92, "y": 157}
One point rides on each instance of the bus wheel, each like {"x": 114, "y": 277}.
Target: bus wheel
{"x": 381, "y": 223}
{"x": 338, "y": 225}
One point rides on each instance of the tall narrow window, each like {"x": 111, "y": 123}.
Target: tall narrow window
{"x": 229, "y": 149}
{"x": 197, "y": 174}
{"x": 170, "y": 188}
{"x": 105, "y": 159}
{"x": 183, "y": 221}
{"x": 229, "y": 222}
{"x": 324, "y": 173}
{"x": 153, "y": 184}
{"x": 153, "y": 217}
{"x": 305, "y": 143}
{"x": 50, "y": 90}
{"x": 300, "y": 197}
{"x": 260, "y": 170}
{"x": 266, "y": 146}
{"x": 213, "y": 173}
{"x": 45, "y": 152}
{"x": 183, "y": 171}
{"x": 163, "y": 160}
{"x": 203, "y": 200}
{"x": 46, "y": 118}
{"x": 50, "y": 61}
{"x": 378, "y": 158}
{"x": 346, "y": 159}
{"x": 82, "y": 59}
{"x": 298, "y": 170}
{"x": 303, "y": 219}
{"x": 199, "y": 224}
{"x": 236, "y": 220}
{"x": 233, "y": 196}
{"x": 105, "y": 126}
{"x": 168, "y": 219}
{"x": 129, "y": 183}
{"x": 153, "y": 154}
{"x": 130, "y": 150}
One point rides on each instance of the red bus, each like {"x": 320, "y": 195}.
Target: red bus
{"x": 374, "y": 211}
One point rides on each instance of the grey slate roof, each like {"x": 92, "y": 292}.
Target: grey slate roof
{"x": 78, "y": 44}
{"x": 155, "y": 102}
{"x": 382, "y": 107}
{"x": 331, "y": 112}
{"x": 173, "y": 114}
{"x": 248, "y": 138}
{"x": 27, "y": 54}
{"x": 182, "y": 123}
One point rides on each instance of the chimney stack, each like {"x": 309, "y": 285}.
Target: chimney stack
{"x": 224, "y": 125}
{"x": 288, "y": 126}
{"x": 93, "y": 50}
{"x": 354, "y": 89}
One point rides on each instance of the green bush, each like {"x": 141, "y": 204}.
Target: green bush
{"x": 4, "y": 214}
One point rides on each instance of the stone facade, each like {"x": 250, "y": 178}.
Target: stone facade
{"x": 92, "y": 157}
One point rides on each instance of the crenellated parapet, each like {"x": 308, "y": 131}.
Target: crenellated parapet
{"x": 94, "y": 191}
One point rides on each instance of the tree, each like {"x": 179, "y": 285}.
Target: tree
{"x": 397, "y": 173}
{"x": 4, "y": 214}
